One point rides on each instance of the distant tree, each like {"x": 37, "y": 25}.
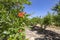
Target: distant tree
{"x": 36, "y": 20}
{"x": 56, "y": 17}
{"x": 56, "y": 8}
{"x": 47, "y": 20}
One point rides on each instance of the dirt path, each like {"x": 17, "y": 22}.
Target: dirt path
{"x": 57, "y": 30}
{"x": 32, "y": 35}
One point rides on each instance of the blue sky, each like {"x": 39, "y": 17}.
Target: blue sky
{"x": 40, "y": 7}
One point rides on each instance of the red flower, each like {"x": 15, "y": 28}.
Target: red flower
{"x": 21, "y": 14}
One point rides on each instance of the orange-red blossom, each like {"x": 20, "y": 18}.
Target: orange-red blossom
{"x": 21, "y": 14}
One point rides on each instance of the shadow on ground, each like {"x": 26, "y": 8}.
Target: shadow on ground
{"x": 49, "y": 35}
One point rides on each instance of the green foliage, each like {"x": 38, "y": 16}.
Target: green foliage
{"x": 56, "y": 8}
{"x": 10, "y": 23}
{"x": 56, "y": 17}
{"x": 47, "y": 19}
{"x": 56, "y": 20}
{"x": 36, "y": 20}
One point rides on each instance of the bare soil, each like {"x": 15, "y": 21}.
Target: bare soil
{"x": 51, "y": 33}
